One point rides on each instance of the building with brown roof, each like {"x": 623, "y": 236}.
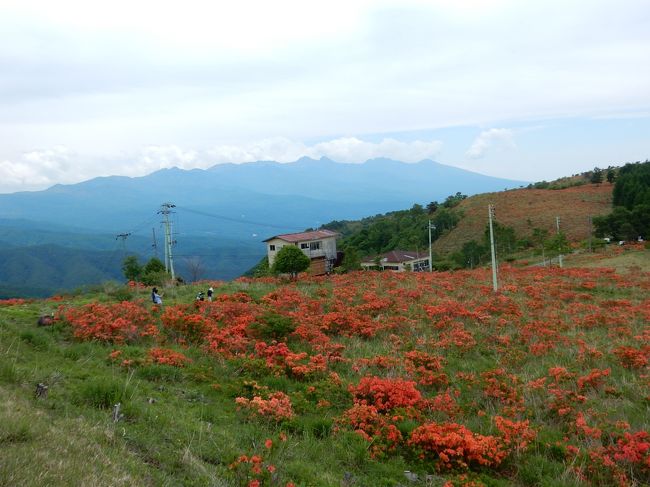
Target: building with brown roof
{"x": 398, "y": 261}
{"x": 318, "y": 245}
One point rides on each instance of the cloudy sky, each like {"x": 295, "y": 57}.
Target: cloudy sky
{"x": 525, "y": 89}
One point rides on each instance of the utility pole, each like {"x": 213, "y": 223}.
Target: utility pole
{"x": 557, "y": 225}
{"x": 495, "y": 286}
{"x": 154, "y": 245}
{"x": 165, "y": 210}
{"x": 430, "y": 253}
{"x": 122, "y": 236}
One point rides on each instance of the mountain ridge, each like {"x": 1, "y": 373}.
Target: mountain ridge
{"x": 304, "y": 194}
{"x": 222, "y": 213}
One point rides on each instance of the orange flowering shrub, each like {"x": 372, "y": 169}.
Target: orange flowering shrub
{"x": 120, "y": 322}
{"x": 515, "y": 434}
{"x": 165, "y": 356}
{"x": 386, "y": 394}
{"x": 276, "y": 406}
{"x": 583, "y": 429}
{"x": 502, "y": 386}
{"x": 594, "y": 379}
{"x": 426, "y": 368}
{"x": 624, "y": 462}
{"x": 452, "y": 445}
{"x": 633, "y": 358}
{"x": 189, "y": 326}
{"x": 13, "y": 301}
{"x": 280, "y": 358}
{"x": 378, "y": 429}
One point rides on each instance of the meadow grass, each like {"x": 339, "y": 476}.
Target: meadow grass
{"x": 182, "y": 426}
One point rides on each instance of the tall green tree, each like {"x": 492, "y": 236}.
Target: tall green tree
{"x": 596, "y": 176}
{"x": 505, "y": 239}
{"x": 131, "y": 268}
{"x": 472, "y": 254}
{"x": 432, "y": 207}
{"x": 351, "y": 260}
{"x": 153, "y": 273}
{"x": 557, "y": 244}
{"x": 611, "y": 175}
{"x": 290, "y": 260}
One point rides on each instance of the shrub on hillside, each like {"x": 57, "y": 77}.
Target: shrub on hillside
{"x": 272, "y": 326}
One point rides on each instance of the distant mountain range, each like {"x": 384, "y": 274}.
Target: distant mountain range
{"x": 222, "y": 213}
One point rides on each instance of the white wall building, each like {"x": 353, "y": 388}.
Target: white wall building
{"x": 319, "y": 246}
{"x": 398, "y": 261}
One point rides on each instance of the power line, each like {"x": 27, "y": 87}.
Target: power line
{"x": 141, "y": 225}
{"x": 236, "y": 220}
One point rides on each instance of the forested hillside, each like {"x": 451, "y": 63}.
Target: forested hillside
{"x": 405, "y": 229}
{"x": 630, "y": 217}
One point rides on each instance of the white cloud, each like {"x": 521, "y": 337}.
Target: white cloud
{"x": 156, "y": 157}
{"x": 492, "y": 138}
{"x": 278, "y": 149}
{"x": 351, "y": 149}
{"x": 40, "y": 169}
{"x": 344, "y": 149}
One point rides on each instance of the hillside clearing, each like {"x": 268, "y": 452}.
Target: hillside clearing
{"x": 527, "y": 209}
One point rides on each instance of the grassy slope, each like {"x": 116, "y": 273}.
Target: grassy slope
{"x": 526, "y": 209}
{"x": 628, "y": 258}
{"x": 181, "y": 426}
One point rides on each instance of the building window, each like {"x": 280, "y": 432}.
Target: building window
{"x": 314, "y": 245}
{"x": 421, "y": 266}
{"x": 272, "y": 248}
{"x": 304, "y": 245}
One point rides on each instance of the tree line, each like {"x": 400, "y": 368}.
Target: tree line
{"x": 630, "y": 216}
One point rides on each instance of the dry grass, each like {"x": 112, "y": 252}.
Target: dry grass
{"x": 526, "y": 209}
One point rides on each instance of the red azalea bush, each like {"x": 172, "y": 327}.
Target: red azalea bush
{"x": 165, "y": 356}
{"x": 633, "y": 358}
{"x": 183, "y": 323}
{"x": 276, "y": 406}
{"x": 386, "y": 394}
{"x": 452, "y": 445}
{"x": 378, "y": 429}
{"x": 119, "y": 322}
{"x": 13, "y": 301}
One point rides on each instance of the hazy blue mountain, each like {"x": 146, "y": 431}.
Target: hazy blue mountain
{"x": 279, "y": 197}
{"x": 62, "y": 237}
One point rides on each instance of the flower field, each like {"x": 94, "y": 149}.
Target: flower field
{"x": 355, "y": 379}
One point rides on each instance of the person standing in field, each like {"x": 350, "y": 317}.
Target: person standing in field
{"x": 210, "y": 293}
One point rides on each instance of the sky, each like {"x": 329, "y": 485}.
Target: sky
{"x": 529, "y": 90}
